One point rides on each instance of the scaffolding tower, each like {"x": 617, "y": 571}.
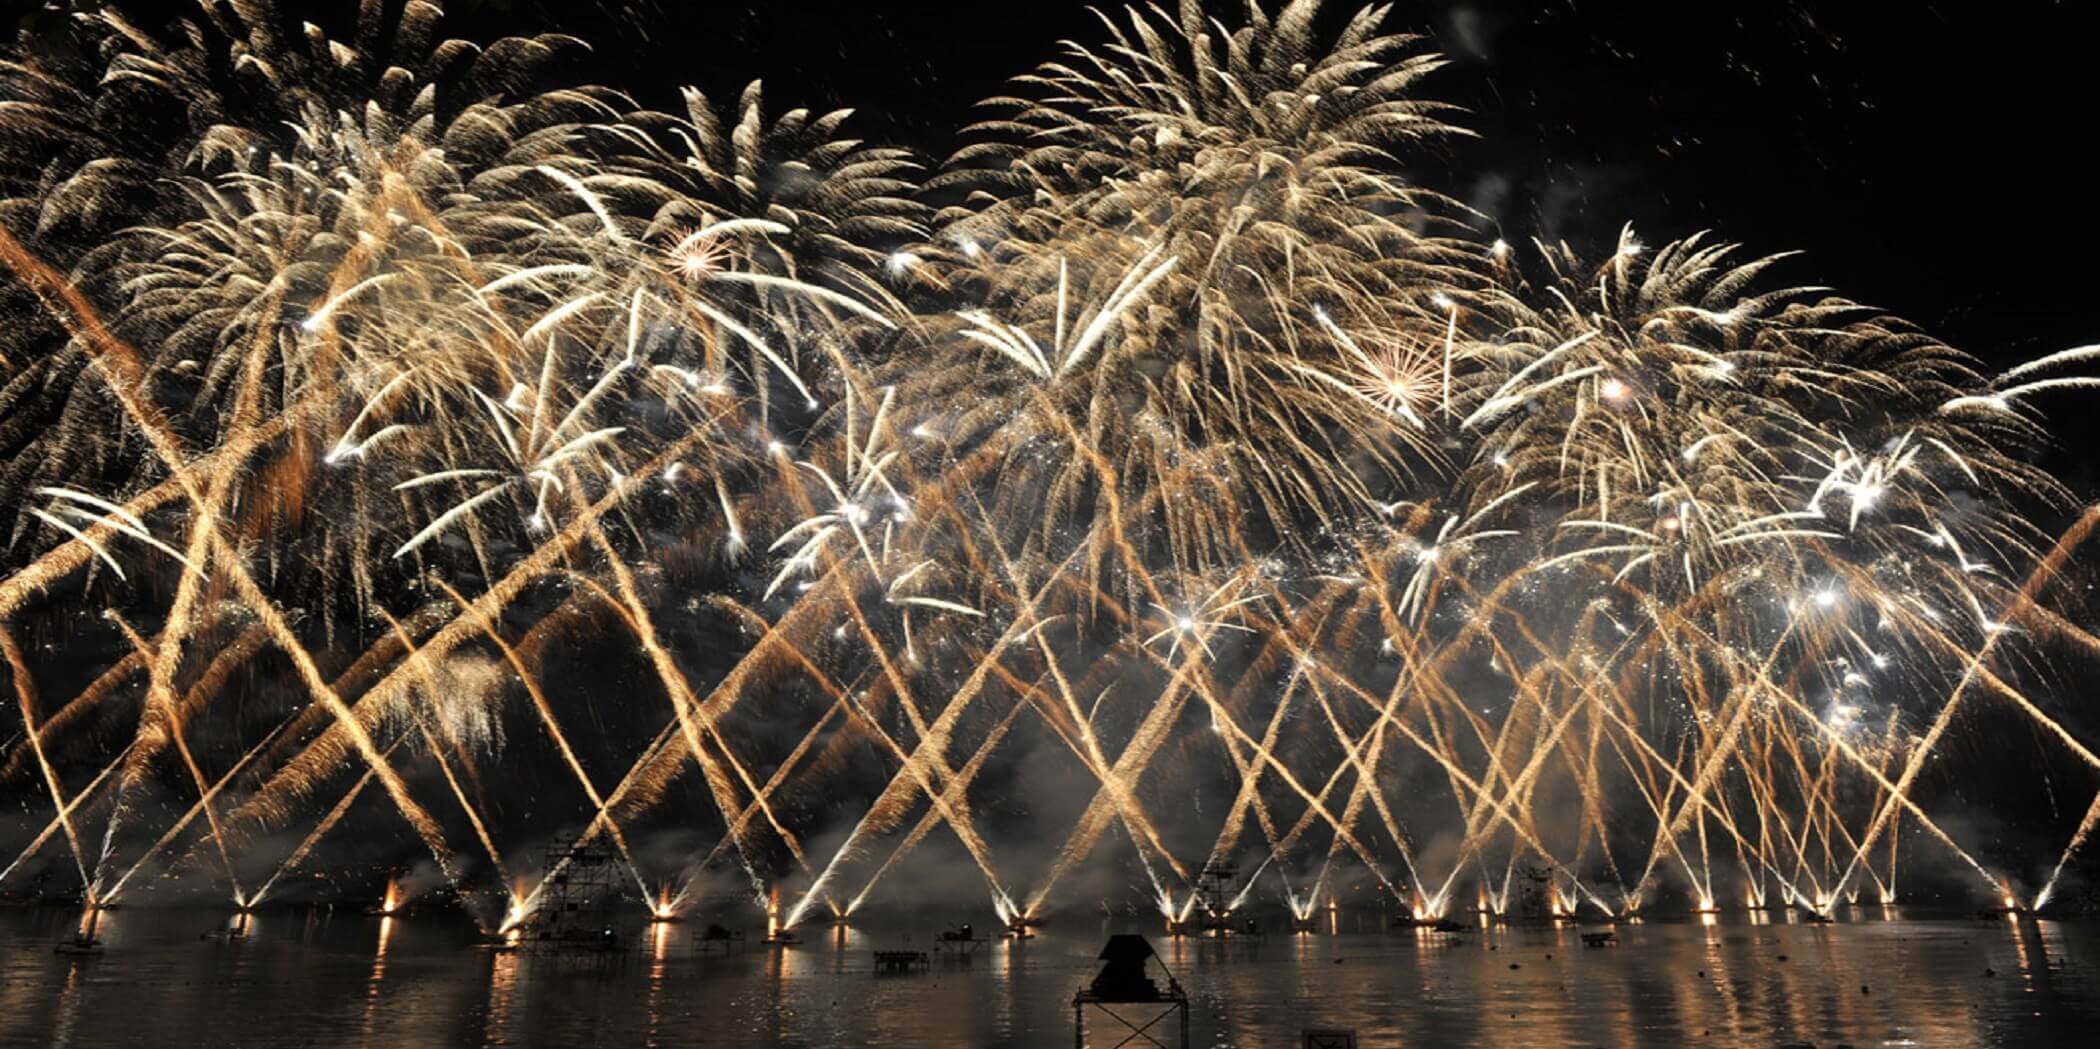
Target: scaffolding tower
{"x": 1215, "y": 885}
{"x": 574, "y": 902}
{"x": 1211, "y": 910}
{"x": 1535, "y": 894}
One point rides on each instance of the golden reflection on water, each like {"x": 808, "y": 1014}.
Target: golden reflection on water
{"x": 657, "y": 944}
{"x": 1740, "y": 977}
{"x": 378, "y": 977}
{"x": 69, "y": 994}
{"x": 505, "y": 971}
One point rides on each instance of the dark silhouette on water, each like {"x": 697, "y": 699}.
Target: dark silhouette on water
{"x": 1126, "y": 981}
{"x": 572, "y": 911}
{"x": 900, "y": 961}
{"x": 84, "y": 941}
{"x": 959, "y": 942}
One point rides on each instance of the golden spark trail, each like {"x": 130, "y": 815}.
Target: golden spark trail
{"x": 289, "y": 728}
{"x": 1173, "y": 407}
{"x": 326, "y": 823}
{"x": 955, "y": 798}
{"x": 693, "y": 719}
{"x": 435, "y": 689}
{"x": 548, "y": 722}
{"x": 2048, "y": 568}
{"x": 202, "y": 805}
{"x": 86, "y": 700}
{"x": 881, "y": 814}
{"x": 319, "y": 754}
{"x": 119, "y": 365}
{"x": 25, "y": 698}
{"x": 160, "y": 719}
{"x": 60, "y": 820}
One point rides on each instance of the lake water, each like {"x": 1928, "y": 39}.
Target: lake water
{"x": 319, "y": 979}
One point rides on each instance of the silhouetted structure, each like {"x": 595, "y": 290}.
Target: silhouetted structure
{"x": 84, "y": 942}
{"x": 570, "y": 915}
{"x": 716, "y": 938}
{"x": 1214, "y": 886}
{"x": 1211, "y": 911}
{"x": 899, "y": 961}
{"x": 1535, "y": 895}
{"x": 1125, "y": 992}
{"x": 960, "y": 942}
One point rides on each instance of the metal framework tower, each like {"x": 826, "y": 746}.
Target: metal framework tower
{"x": 573, "y": 901}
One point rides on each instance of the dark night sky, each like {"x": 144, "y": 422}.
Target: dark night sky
{"x": 1931, "y": 162}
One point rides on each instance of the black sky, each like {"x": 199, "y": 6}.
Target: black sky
{"x": 1931, "y": 161}
{"x": 1928, "y": 158}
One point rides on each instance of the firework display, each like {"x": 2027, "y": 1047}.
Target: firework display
{"x": 409, "y": 455}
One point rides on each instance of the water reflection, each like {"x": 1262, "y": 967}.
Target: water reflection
{"x": 657, "y": 945}
{"x": 372, "y": 985}
{"x": 504, "y": 973}
{"x": 1740, "y": 977}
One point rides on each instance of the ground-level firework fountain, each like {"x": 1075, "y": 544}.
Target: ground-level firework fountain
{"x": 408, "y": 479}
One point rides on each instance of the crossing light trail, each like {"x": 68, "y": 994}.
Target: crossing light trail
{"x": 1166, "y": 480}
